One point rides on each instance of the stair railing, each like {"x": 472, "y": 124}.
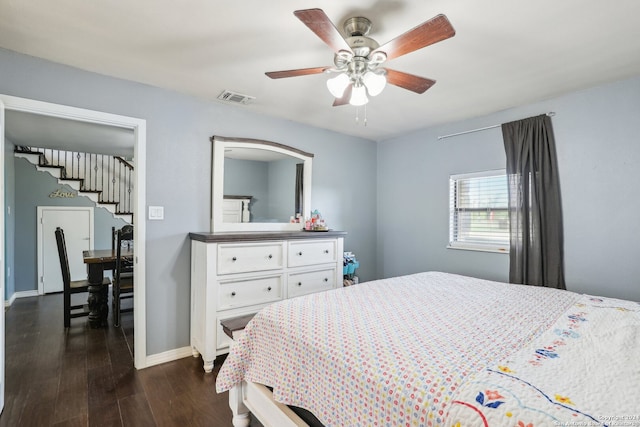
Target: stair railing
{"x": 110, "y": 176}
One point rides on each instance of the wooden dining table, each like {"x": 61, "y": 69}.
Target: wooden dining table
{"x": 98, "y": 261}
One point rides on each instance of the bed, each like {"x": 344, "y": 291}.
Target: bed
{"x": 438, "y": 349}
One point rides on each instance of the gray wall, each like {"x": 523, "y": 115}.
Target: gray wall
{"x": 248, "y": 178}
{"x": 178, "y": 173}
{"x": 32, "y": 189}
{"x": 282, "y": 189}
{"x": 9, "y": 220}
{"x": 598, "y": 146}
{"x": 270, "y": 184}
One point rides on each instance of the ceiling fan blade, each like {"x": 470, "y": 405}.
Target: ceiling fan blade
{"x": 432, "y": 31}
{"x": 408, "y": 81}
{"x": 296, "y": 73}
{"x": 319, "y": 23}
{"x": 344, "y": 99}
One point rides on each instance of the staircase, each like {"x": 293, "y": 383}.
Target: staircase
{"x": 106, "y": 180}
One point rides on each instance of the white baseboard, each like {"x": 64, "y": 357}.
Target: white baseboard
{"x": 10, "y": 301}
{"x": 168, "y": 356}
{"x": 21, "y": 294}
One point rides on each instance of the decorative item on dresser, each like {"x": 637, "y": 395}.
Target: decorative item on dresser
{"x": 239, "y": 273}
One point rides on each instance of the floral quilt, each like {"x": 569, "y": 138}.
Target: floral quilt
{"x": 583, "y": 371}
{"x": 429, "y": 349}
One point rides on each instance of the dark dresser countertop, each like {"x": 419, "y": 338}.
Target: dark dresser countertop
{"x": 245, "y": 236}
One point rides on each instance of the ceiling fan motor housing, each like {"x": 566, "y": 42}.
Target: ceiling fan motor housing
{"x": 359, "y": 61}
{"x": 361, "y": 45}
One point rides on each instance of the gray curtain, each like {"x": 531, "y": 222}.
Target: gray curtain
{"x": 535, "y": 212}
{"x": 299, "y": 187}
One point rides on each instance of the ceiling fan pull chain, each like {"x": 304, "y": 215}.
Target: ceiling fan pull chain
{"x": 358, "y": 115}
{"x": 365, "y": 115}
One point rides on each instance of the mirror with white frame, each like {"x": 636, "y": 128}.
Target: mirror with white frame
{"x": 258, "y": 185}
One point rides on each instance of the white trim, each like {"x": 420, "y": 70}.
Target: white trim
{"x": 11, "y": 300}
{"x": 25, "y": 294}
{"x": 40, "y": 237}
{"x": 2, "y": 254}
{"x": 139, "y": 246}
{"x": 139, "y": 127}
{"x": 481, "y": 174}
{"x": 168, "y": 356}
{"x": 501, "y": 246}
{"x": 220, "y": 144}
{"x": 477, "y": 248}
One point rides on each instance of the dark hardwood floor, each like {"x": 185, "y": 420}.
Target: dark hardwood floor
{"x": 85, "y": 377}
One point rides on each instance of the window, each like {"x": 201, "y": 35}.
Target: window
{"x": 479, "y": 211}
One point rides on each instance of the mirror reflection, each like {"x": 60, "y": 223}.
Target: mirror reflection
{"x": 260, "y": 185}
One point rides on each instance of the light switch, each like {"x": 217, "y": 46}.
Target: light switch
{"x": 156, "y": 212}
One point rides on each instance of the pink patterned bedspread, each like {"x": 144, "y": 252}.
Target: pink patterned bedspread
{"x": 391, "y": 352}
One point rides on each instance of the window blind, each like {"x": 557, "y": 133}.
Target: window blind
{"x": 479, "y": 211}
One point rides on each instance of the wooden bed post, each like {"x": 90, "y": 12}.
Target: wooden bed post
{"x": 240, "y": 412}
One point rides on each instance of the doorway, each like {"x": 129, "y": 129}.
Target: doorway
{"x": 77, "y": 223}
{"x": 137, "y": 129}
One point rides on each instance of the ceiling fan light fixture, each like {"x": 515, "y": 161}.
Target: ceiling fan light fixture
{"x": 358, "y": 58}
{"x": 358, "y": 95}
{"x": 338, "y": 84}
{"x": 375, "y": 81}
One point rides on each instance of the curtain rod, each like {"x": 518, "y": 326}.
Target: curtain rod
{"x": 550, "y": 114}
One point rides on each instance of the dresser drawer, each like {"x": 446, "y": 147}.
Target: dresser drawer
{"x": 310, "y": 282}
{"x": 312, "y": 252}
{"x": 245, "y": 258}
{"x": 246, "y": 292}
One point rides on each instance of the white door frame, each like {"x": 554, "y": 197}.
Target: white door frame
{"x": 139, "y": 128}
{"x": 40, "y": 235}
{"x": 2, "y": 267}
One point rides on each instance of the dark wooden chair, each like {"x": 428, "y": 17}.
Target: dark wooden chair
{"x": 114, "y": 238}
{"x": 123, "y": 277}
{"x": 71, "y": 286}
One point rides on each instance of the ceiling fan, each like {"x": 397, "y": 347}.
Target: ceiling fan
{"x": 358, "y": 59}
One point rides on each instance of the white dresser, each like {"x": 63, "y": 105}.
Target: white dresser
{"x": 234, "y": 274}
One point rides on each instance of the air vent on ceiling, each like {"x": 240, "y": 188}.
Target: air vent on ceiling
{"x": 236, "y": 98}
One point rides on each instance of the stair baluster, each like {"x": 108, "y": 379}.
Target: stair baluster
{"x": 111, "y": 177}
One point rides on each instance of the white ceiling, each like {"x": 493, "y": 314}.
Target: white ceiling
{"x": 505, "y": 52}
{"x": 40, "y": 131}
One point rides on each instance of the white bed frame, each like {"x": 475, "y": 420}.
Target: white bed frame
{"x": 247, "y": 398}
{"x": 236, "y": 209}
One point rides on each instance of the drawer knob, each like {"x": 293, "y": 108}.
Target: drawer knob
{"x": 326, "y": 279}
{"x": 269, "y": 289}
{"x": 270, "y": 256}
{"x": 300, "y": 253}
{"x": 299, "y": 283}
{"x": 234, "y": 259}
{"x": 233, "y": 294}
{"x": 326, "y": 251}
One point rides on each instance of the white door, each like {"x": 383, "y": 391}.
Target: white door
{"x": 2, "y": 253}
{"x": 77, "y": 223}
